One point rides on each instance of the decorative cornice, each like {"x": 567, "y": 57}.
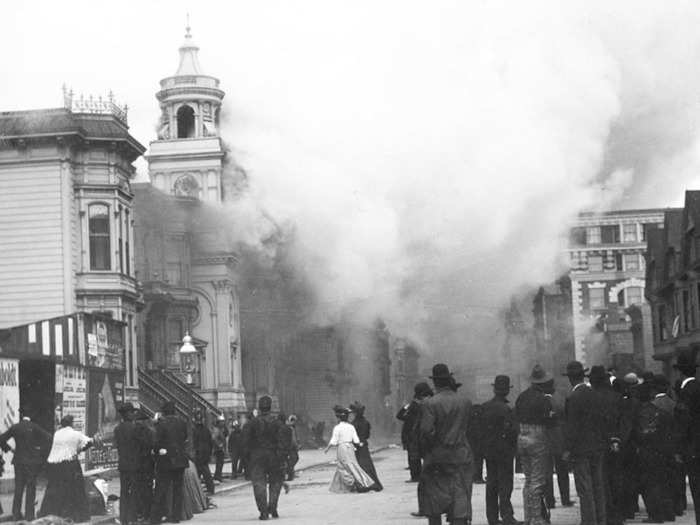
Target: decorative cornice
{"x": 227, "y": 259}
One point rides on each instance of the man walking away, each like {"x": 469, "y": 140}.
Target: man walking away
{"x": 126, "y": 439}
{"x": 446, "y": 481}
{"x": 555, "y": 434}
{"x": 203, "y": 445}
{"x": 585, "y": 444}
{"x": 145, "y": 472}
{"x": 690, "y": 421}
{"x": 32, "y": 445}
{"x": 533, "y": 410}
{"x": 410, "y": 415}
{"x": 263, "y": 437}
{"x": 234, "y": 447}
{"x": 500, "y": 435}
{"x": 293, "y": 454}
{"x": 219, "y": 435}
{"x": 171, "y": 462}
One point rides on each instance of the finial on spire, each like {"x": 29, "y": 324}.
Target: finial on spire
{"x": 187, "y": 27}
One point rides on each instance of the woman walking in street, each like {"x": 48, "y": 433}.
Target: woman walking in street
{"x": 65, "y": 494}
{"x": 349, "y": 476}
{"x": 362, "y": 427}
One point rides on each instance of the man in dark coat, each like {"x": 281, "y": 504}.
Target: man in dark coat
{"x": 446, "y": 481}
{"x": 219, "y": 434}
{"x": 171, "y": 461}
{"x": 628, "y": 450}
{"x": 128, "y": 447}
{"x": 555, "y": 434}
{"x": 145, "y": 472}
{"x": 203, "y": 444}
{"x": 234, "y": 447}
{"x": 533, "y": 410}
{"x": 690, "y": 431}
{"x": 32, "y": 444}
{"x": 500, "y": 434}
{"x": 410, "y": 415}
{"x": 585, "y": 445}
{"x": 264, "y": 438}
{"x": 293, "y": 453}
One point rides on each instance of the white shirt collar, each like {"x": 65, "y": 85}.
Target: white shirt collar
{"x": 576, "y": 386}
{"x": 659, "y": 395}
{"x": 686, "y": 381}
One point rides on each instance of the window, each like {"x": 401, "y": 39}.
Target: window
{"x": 661, "y": 320}
{"x": 687, "y": 311}
{"x": 127, "y": 250}
{"x": 595, "y": 263}
{"x": 593, "y": 235}
{"x": 175, "y": 265}
{"x": 120, "y": 240}
{"x": 629, "y": 232}
{"x": 98, "y": 226}
{"x": 610, "y": 234}
{"x": 618, "y": 262}
{"x": 175, "y": 335}
{"x": 635, "y": 295}
{"x": 185, "y": 122}
{"x": 577, "y": 237}
{"x": 631, "y": 261}
{"x": 596, "y": 298}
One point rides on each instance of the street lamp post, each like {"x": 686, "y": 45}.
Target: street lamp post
{"x": 188, "y": 366}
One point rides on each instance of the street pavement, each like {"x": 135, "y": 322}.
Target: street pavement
{"x": 310, "y": 503}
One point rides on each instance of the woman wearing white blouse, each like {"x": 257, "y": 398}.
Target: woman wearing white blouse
{"x": 349, "y": 476}
{"x": 65, "y": 494}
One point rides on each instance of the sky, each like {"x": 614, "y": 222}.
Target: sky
{"x": 429, "y": 156}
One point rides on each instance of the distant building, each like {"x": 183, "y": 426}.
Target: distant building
{"x": 611, "y": 318}
{"x": 186, "y": 258}
{"x": 673, "y": 282}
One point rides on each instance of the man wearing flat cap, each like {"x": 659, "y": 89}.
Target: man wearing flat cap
{"x": 500, "y": 434}
{"x": 446, "y": 481}
{"x": 585, "y": 444}
{"x": 264, "y": 437}
{"x": 686, "y": 365}
{"x": 535, "y": 415}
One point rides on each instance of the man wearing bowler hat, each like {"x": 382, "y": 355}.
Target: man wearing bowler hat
{"x": 126, "y": 439}
{"x": 585, "y": 444}
{"x": 446, "y": 481}
{"x": 690, "y": 431}
{"x": 500, "y": 434}
{"x": 533, "y": 410}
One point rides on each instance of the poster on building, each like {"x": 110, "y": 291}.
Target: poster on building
{"x": 74, "y": 399}
{"x": 105, "y": 394}
{"x": 9, "y": 402}
{"x": 105, "y": 344}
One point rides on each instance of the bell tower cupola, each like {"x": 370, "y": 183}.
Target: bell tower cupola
{"x": 187, "y": 158}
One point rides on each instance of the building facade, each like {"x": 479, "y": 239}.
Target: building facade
{"x": 66, "y": 216}
{"x": 673, "y": 282}
{"x": 186, "y": 258}
{"x": 611, "y": 317}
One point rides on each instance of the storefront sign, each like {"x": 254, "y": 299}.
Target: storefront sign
{"x": 105, "y": 394}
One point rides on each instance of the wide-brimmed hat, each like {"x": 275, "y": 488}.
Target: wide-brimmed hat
{"x": 125, "y": 408}
{"x": 661, "y": 382}
{"x": 441, "y": 371}
{"x": 341, "y": 410}
{"x": 575, "y": 368}
{"x": 501, "y": 384}
{"x": 422, "y": 390}
{"x": 539, "y": 375}
{"x": 599, "y": 375}
{"x": 357, "y": 407}
{"x": 685, "y": 361}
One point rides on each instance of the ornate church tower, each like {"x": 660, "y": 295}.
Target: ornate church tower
{"x": 187, "y": 158}
{"x": 185, "y": 258}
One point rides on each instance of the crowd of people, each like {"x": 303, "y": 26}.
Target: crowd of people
{"x": 622, "y": 437}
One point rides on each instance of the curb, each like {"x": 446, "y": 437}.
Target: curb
{"x": 241, "y": 485}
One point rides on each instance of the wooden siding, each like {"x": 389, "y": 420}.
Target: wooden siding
{"x": 31, "y": 249}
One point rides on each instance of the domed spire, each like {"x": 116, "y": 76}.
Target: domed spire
{"x": 189, "y": 62}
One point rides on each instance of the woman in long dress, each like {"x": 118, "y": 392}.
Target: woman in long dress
{"x": 362, "y": 427}
{"x": 349, "y": 476}
{"x": 194, "y": 500}
{"x": 65, "y": 494}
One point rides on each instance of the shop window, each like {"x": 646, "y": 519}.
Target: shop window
{"x": 98, "y": 219}
{"x": 185, "y": 122}
{"x": 596, "y": 298}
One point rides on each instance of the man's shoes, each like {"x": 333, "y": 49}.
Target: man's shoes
{"x": 418, "y": 514}
{"x": 264, "y": 516}
{"x": 273, "y": 514}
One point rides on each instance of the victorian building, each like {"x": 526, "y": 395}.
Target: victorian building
{"x": 186, "y": 258}
{"x": 673, "y": 282}
{"x": 611, "y": 318}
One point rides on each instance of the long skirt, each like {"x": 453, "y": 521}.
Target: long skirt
{"x": 194, "y": 501}
{"x": 349, "y": 476}
{"x": 65, "y": 494}
{"x": 364, "y": 459}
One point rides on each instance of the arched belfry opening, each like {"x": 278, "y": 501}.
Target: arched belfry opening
{"x": 185, "y": 122}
